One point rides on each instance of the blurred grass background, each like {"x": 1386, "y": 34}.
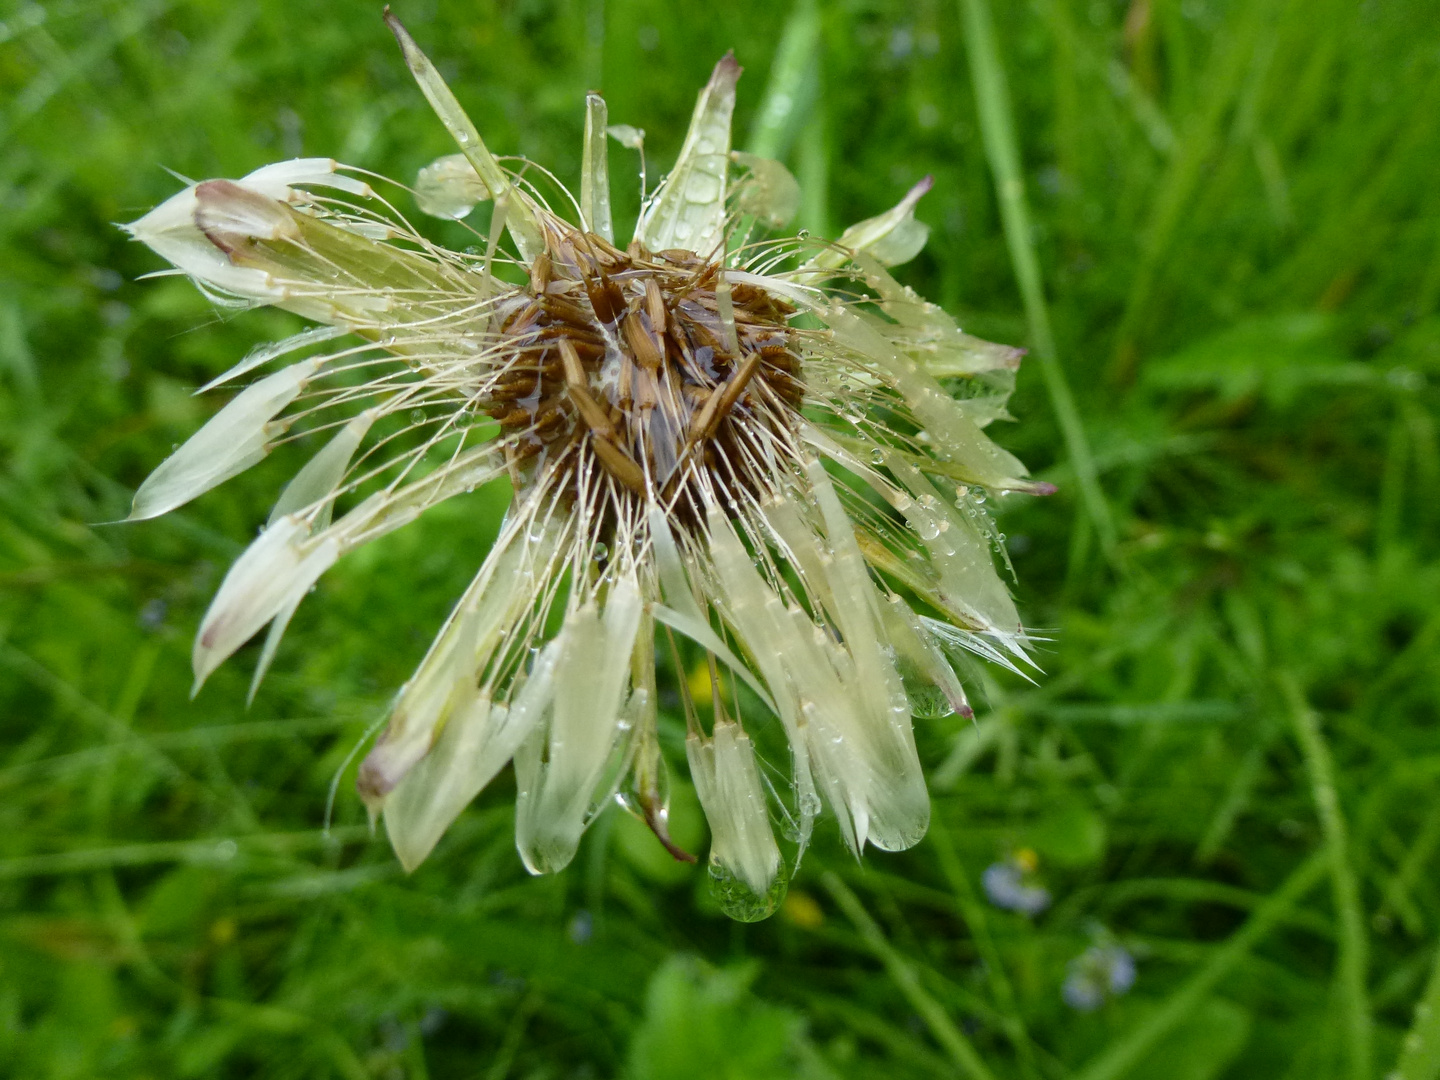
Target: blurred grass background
{"x": 1223, "y": 243}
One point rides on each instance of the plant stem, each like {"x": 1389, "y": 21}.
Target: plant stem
{"x": 1420, "y": 1052}
{"x": 1125, "y": 1054}
{"x": 997, "y": 129}
{"x": 973, "y": 912}
{"x": 1354, "y": 945}
{"x": 950, "y": 1037}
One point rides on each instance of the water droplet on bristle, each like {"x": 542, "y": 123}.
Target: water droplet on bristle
{"x": 928, "y": 528}
{"x": 878, "y": 455}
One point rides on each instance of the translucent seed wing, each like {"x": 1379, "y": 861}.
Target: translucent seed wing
{"x": 475, "y": 744}
{"x": 232, "y": 440}
{"x": 169, "y": 230}
{"x": 560, "y": 766}
{"x": 893, "y": 237}
{"x": 524, "y": 227}
{"x": 595, "y": 171}
{"x": 732, "y": 795}
{"x": 277, "y": 179}
{"x": 688, "y": 209}
{"x": 770, "y": 193}
{"x": 928, "y": 331}
{"x": 270, "y": 576}
{"x": 321, "y": 475}
{"x": 447, "y": 679}
{"x": 263, "y": 354}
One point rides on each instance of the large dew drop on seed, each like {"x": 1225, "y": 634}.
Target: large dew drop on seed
{"x": 739, "y": 901}
{"x": 449, "y": 187}
{"x": 745, "y": 864}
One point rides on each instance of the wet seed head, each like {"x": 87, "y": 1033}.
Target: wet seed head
{"x": 649, "y": 365}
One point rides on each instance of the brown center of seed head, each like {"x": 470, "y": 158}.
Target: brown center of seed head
{"x": 620, "y": 367}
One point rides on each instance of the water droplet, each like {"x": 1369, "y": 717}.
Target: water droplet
{"x": 803, "y": 234}
{"x": 739, "y": 901}
{"x": 600, "y": 551}
{"x": 878, "y": 455}
{"x": 979, "y": 496}
{"x": 928, "y": 528}
{"x": 417, "y": 416}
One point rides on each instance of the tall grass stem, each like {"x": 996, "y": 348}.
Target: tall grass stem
{"x": 997, "y": 129}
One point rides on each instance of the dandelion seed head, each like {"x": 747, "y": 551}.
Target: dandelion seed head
{"x": 761, "y": 452}
{"x": 623, "y": 363}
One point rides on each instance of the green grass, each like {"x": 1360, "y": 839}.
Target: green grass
{"x": 1220, "y": 238}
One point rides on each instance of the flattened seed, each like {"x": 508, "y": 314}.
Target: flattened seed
{"x": 575, "y": 333}
{"x": 619, "y": 464}
{"x": 595, "y": 417}
{"x": 540, "y": 272}
{"x": 606, "y": 299}
{"x": 737, "y": 384}
{"x": 574, "y": 372}
{"x": 642, "y": 344}
{"x": 604, "y": 251}
{"x": 702, "y": 424}
{"x": 662, "y": 417}
{"x": 523, "y": 318}
{"x": 560, "y": 307}
{"x": 680, "y": 257}
{"x": 655, "y": 305}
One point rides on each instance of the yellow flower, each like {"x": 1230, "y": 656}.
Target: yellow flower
{"x": 745, "y": 440}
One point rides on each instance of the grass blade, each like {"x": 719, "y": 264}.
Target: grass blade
{"x": 960, "y": 1049}
{"x": 997, "y": 129}
{"x": 1126, "y": 1053}
{"x": 1420, "y": 1053}
{"x": 1354, "y": 945}
{"x": 973, "y": 912}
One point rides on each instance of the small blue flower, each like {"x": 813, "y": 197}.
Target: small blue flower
{"x": 1101, "y": 972}
{"x": 1012, "y": 884}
